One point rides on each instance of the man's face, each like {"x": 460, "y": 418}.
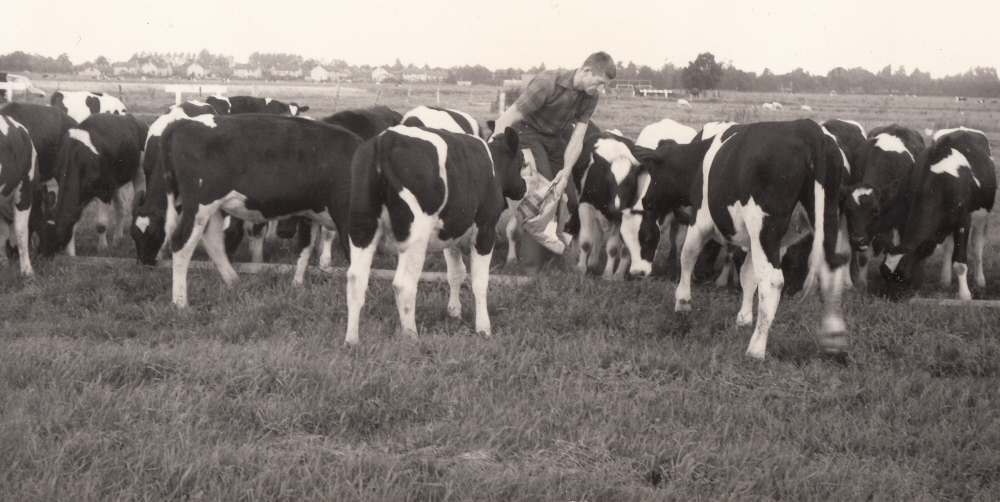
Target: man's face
{"x": 594, "y": 83}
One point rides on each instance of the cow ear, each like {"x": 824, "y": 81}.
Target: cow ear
{"x": 643, "y": 154}
{"x": 510, "y": 136}
{"x": 491, "y": 125}
{"x": 303, "y": 109}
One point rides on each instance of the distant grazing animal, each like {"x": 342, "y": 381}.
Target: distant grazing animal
{"x": 652, "y": 134}
{"x": 767, "y": 106}
{"x": 441, "y": 118}
{"x": 96, "y": 159}
{"x": 235, "y": 105}
{"x": 777, "y": 106}
{"x": 961, "y": 98}
{"x": 274, "y": 167}
{"x": 805, "y": 108}
{"x": 81, "y": 104}
{"x": 683, "y": 103}
{"x": 422, "y": 188}
{"x": 740, "y": 201}
{"x": 874, "y": 203}
{"x": 18, "y": 174}
{"x": 952, "y": 192}
{"x": 47, "y": 125}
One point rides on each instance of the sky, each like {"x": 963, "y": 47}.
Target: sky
{"x": 943, "y": 38}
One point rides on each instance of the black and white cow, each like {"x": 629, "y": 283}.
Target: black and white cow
{"x": 82, "y": 104}
{"x": 18, "y": 175}
{"x": 97, "y": 158}
{"x": 426, "y": 188}
{"x": 256, "y": 167}
{"x": 47, "y": 125}
{"x": 441, "y": 118}
{"x": 235, "y": 105}
{"x": 651, "y": 135}
{"x": 951, "y": 194}
{"x": 756, "y": 184}
{"x": 882, "y": 166}
{"x": 850, "y": 135}
{"x": 366, "y": 123}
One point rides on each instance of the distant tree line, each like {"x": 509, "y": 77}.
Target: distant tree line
{"x": 704, "y": 73}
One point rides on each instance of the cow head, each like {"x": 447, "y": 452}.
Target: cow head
{"x": 640, "y": 229}
{"x": 148, "y": 231}
{"x": 507, "y": 163}
{"x": 862, "y": 208}
{"x": 902, "y": 269}
{"x": 613, "y": 162}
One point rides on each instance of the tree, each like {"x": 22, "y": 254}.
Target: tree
{"x": 702, "y": 73}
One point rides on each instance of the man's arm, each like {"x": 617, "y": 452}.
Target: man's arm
{"x": 507, "y": 119}
{"x": 573, "y": 149}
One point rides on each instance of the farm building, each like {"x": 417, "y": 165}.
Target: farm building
{"x": 196, "y": 70}
{"x": 380, "y": 74}
{"x": 248, "y": 71}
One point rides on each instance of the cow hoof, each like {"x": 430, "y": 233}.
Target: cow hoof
{"x": 351, "y": 342}
{"x": 744, "y": 319}
{"x": 683, "y": 306}
{"x": 409, "y": 333}
{"x": 756, "y": 355}
{"x": 834, "y": 344}
{"x": 455, "y": 311}
{"x": 485, "y": 333}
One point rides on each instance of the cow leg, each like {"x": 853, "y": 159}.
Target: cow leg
{"x": 304, "y": 255}
{"x": 120, "y": 206}
{"x": 326, "y": 249}
{"x": 862, "y": 259}
{"x": 169, "y": 225}
{"x": 601, "y": 237}
{"x": 588, "y": 235}
{"x": 71, "y": 247}
{"x": 748, "y": 282}
{"x": 765, "y": 250}
{"x": 728, "y": 268}
{"x": 696, "y": 236}
{"x": 255, "y": 233}
{"x": 480, "y": 264}
{"x": 5, "y": 228}
{"x": 512, "y": 231}
{"x": 960, "y": 257}
{"x": 357, "y": 282}
{"x": 103, "y": 219}
{"x": 411, "y": 264}
{"x": 456, "y": 276}
{"x": 948, "y": 250}
{"x": 182, "y": 257}
{"x": 977, "y": 240}
{"x": 215, "y": 245}
{"x": 613, "y": 248}
{"x": 624, "y": 261}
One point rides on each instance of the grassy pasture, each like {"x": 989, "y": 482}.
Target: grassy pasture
{"x": 588, "y": 390}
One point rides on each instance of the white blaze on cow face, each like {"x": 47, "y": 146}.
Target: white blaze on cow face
{"x": 890, "y": 143}
{"x": 83, "y": 137}
{"x": 952, "y": 164}
{"x": 142, "y": 223}
{"x": 860, "y": 192}
{"x": 438, "y": 143}
{"x": 267, "y": 101}
{"x": 892, "y": 261}
{"x": 294, "y": 110}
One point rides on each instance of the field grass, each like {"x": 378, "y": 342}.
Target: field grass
{"x": 588, "y": 390}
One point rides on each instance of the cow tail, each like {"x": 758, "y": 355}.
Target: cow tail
{"x": 827, "y": 168}
{"x": 367, "y": 193}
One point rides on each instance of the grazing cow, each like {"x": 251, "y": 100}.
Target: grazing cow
{"x": 440, "y": 118}
{"x": 18, "y": 174}
{"x": 767, "y": 106}
{"x": 82, "y": 104}
{"x": 235, "y": 105}
{"x": 96, "y": 159}
{"x": 366, "y": 123}
{"x": 652, "y": 134}
{"x": 421, "y": 188}
{"x": 951, "y": 194}
{"x": 777, "y": 106}
{"x": 603, "y": 176}
{"x": 683, "y": 103}
{"x": 255, "y": 167}
{"x": 753, "y": 177}
{"x": 805, "y": 108}
{"x": 47, "y": 125}
{"x": 961, "y": 98}
{"x": 882, "y": 164}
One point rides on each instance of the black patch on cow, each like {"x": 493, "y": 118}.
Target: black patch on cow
{"x": 93, "y": 104}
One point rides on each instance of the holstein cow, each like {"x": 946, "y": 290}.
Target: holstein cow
{"x": 235, "y": 105}
{"x": 952, "y": 191}
{"x": 440, "y": 118}
{"x": 82, "y": 104}
{"x": 366, "y": 123}
{"x": 47, "y": 125}
{"x": 426, "y": 188}
{"x": 875, "y": 205}
{"x": 652, "y": 134}
{"x": 752, "y": 178}
{"x": 18, "y": 174}
{"x": 150, "y": 208}
{"x": 97, "y": 158}
{"x": 258, "y": 168}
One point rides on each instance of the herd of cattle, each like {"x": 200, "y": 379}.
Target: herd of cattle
{"x": 793, "y": 204}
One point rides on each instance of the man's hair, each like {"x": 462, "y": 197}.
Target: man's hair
{"x": 602, "y": 62}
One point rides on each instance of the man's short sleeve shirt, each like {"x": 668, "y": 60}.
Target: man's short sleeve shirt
{"x": 550, "y": 103}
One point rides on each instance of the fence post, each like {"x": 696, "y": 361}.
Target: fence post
{"x": 502, "y": 102}
{"x": 378, "y": 95}
{"x": 119, "y": 92}
{"x": 408, "y": 89}
{"x": 336, "y": 98}
{"x": 439, "y": 96}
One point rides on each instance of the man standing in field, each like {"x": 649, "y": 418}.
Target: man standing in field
{"x": 553, "y": 101}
